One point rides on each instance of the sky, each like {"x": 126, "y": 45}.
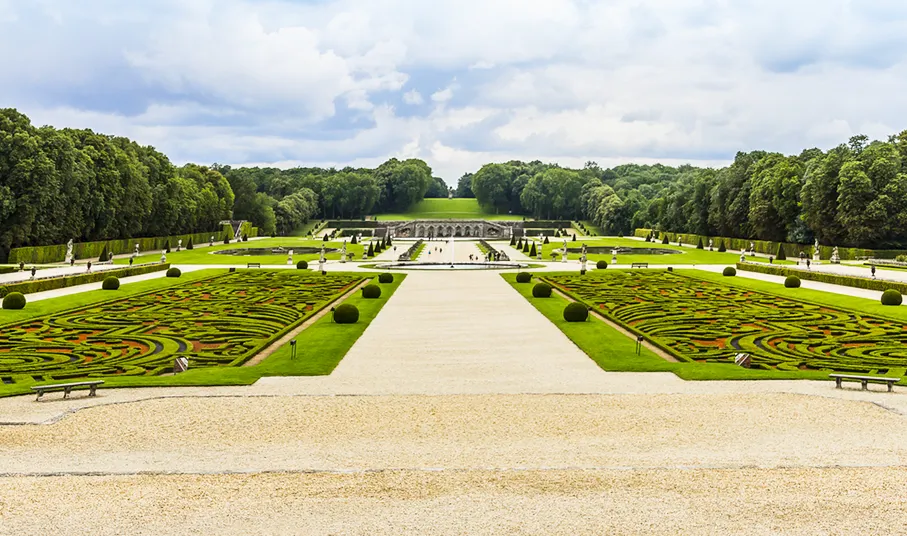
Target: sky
{"x": 459, "y": 83}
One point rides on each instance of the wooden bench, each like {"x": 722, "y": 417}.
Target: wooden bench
{"x": 864, "y": 380}
{"x": 253, "y": 265}
{"x": 67, "y": 387}
{"x": 639, "y": 265}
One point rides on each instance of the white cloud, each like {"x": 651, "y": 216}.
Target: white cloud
{"x": 413, "y": 97}
{"x": 621, "y": 80}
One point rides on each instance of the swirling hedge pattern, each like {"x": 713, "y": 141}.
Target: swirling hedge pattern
{"x": 221, "y": 321}
{"x": 703, "y": 321}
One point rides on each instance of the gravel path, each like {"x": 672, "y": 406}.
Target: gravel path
{"x": 834, "y": 501}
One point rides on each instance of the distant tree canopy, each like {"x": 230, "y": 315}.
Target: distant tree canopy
{"x": 57, "y": 185}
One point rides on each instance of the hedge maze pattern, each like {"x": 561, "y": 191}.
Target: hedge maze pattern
{"x": 703, "y": 321}
{"x": 221, "y": 321}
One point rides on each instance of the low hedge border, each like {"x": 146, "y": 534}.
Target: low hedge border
{"x": 30, "y": 287}
{"x": 834, "y": 279}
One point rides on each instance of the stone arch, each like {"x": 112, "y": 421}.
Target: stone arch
{"x": 467, "y": 231}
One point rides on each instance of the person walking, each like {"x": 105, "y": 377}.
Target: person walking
{"x": 873, "y": 269}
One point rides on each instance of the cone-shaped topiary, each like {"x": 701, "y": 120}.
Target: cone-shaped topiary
{"x": 14, "y": 301}
{"x": 576, "y": 312}
{"x": 354, "y": 241}
{"x": 371, "y": 292}
{"x": 699, "y": 245}
{"x": 371, "y": 250}
{"x": 792, "y": 281}
{"x": 546, "y": 241}
{"x": 190, "y": 246}
{"x": 730, "y": 271}
{"x": 532, "y": 251}
{"x": 226, "y": 238}
{"x": 110, "y": 283}
{"x": 167, "y": 245}
{"x": 103, "y": 257}
{"x": 892, "y": 297}
{"x": 346, "y": 314}
{"x": 781, "y": 256}
{"x": 389, "y": 240}
{"x": 526, "y": 247}
{"x": 523, "y": 277}
{"x": 302, "y": 265}
{"x": 519, "y": 244}
{"x": 512, "y": 241}
{"x": 602, "y": 264}
{"x": 721, "y": 247}
{"x": 665, "y": 239}
{"x": 174, "y": 272}
{"x": 541, "y": 290}
{"x": 574, "y": 238}
{"x": 386, "y": 278}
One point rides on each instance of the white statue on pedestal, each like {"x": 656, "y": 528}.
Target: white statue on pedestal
{"x": 816, "y": 255}
{"x": 343, "y": 252}
{"x": 179, "y": 244}
{"x": 212, "y": 240}
{"x": 752, "y": 249}
{"x": 68, "y": 258}
{"x": 742, "y": 256}
{"x": 163, "y": 257}
{"x": 613, "y": 256}
{"x": 290, "y": 257}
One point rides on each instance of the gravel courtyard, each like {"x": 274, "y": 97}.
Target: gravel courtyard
{"x": 460, "y": 448}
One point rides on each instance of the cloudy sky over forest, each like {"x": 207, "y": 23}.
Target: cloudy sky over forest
{"x": 460, "y": 83}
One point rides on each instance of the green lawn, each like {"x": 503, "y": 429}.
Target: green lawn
{"x": 685, "y": 255}
{"x": 447, "y": 209}
{"x": 320, "y": 347}
{"x": 863, "y": 332}
{"x": 204, "y": 255}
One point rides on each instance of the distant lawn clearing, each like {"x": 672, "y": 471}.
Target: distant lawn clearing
{"x": 448, "y": 209}
{"x": 705, "y": 321}
{"x": 219, "y": 321}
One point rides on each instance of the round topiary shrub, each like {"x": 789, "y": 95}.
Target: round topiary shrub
{"x": 892, "y": 297}
{"x": 523, "y": 277}
{"x": 174, "y": 272}
{"x": 14, "y": 300}
{"x": 110, "y": 283}
{"x": 371, "y": 292}
{"x": 730, "y": 271}
{"x": 601, "y": 265}
{"x": 302, "y": 265}
{"x": 792, "y": 281}
{"x": 386, "y": 278}
{"x": 346, "y": 314}
{"x": 576, "y": 312}
{"x": 541, "y": 290}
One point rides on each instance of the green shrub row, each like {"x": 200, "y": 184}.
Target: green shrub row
{"x": 93, "y": 250}
{"x": 834, "y": 279}
{"x": 40, "y": 285}
{"x": 771, "y": 248}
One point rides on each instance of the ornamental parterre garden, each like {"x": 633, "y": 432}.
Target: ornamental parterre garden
{"x": 707, "y": 322}
{"x": 221, "y": 321}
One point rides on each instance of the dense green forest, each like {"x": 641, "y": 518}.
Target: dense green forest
{"x": 852, "y": 195}
{"x": 57, "y": 185}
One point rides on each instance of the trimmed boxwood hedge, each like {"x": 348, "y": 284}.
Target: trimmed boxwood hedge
{"x": 302, "y": 265}
{"x": 523, "y": 277}
{"x": 792, "y": 281}
{"x": 371, "y": 292}
{"x": 822, "y": 277}
{"x": 730, "y": 271}
{"x": 601, "y": 265}
{"x": 174, "y": 272}
{"x": 541, "y": 290}
{"x": 346, "y": 314}
{"x": 13, "y": 301}
{"x": 892, "y": 297}
{"x": 110, "y": 283}
{"x": 40, "y": 285}
{"x": 386, "y": 278}
{"x": 576, "y": 312}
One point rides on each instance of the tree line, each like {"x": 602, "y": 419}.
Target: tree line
{"x": 852, "y": 195}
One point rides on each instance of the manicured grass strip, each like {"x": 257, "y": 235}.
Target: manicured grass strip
{"x": 303, "y": 249}
{"x": 446, "y": 209}
{"x": 613, "y": 351}
{"x": 823, "y": 277}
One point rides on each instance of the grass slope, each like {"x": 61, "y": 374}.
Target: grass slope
{"x": 320, "y": 347}
{"x": 447, "y": 209}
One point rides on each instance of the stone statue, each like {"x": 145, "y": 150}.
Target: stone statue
{"x": 613, "y": 256}
{"x": 212, "y": 240}
{"x": 565, "y": 245}
{"x": 816, "y": 255}
{"x": 135, "y": 252}
{"x": 584, "y": 250}
{"x": 835, "y": 258}
{"x": 68, "y": 251}
{"x": 343, "y": 252}
{"x": 290, "y": 257}
{"x": 742, "y": 256}
{"x": 321, "y": 256}
{"x": 179, "y": 244}
{"x": 710, "y": 244}
{"x": 582, "y": 259}
{"x": 163, "y": 257}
